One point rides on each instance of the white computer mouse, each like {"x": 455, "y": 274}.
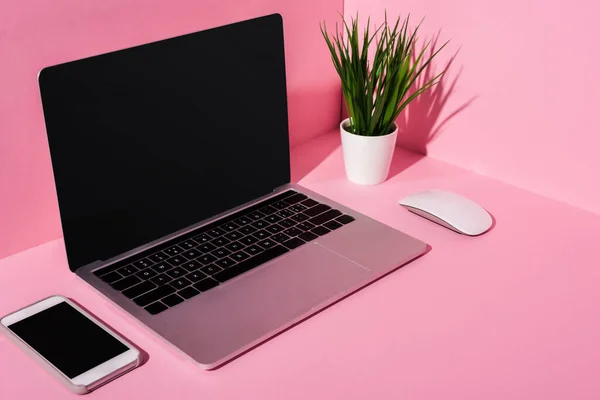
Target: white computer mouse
{"x": 450, "y": 210}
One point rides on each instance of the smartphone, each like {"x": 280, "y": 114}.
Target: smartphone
{"x": 71, "y": 344}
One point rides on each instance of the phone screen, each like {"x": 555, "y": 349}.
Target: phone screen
{"x": 68, "y": 339}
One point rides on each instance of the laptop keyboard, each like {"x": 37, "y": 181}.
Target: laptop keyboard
{"x": 170, "y": 273}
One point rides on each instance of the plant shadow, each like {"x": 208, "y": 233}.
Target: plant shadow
{"x": 306, "y": 157}
{"x": 421, "y": 121}
{"x": 424, "y": 119}
{"x": 402, "y": 161}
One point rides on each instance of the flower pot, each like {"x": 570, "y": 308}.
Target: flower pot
{"x": 367, "y": 158}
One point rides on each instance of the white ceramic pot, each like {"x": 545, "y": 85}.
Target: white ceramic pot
{"x": 367, "y": 158}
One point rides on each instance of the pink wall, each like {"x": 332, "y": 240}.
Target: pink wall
{"x": 36, "y": 33}
{"x": 530, "y": 85}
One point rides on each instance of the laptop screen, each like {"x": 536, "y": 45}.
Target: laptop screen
{"x": 152, "y": 139}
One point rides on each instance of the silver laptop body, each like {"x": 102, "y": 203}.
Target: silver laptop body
{"x": 325, "y": 252}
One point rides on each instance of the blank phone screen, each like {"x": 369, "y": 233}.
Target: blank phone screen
{"x": 68, "y": 339}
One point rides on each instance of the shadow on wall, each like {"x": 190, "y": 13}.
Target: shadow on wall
{"x": 420, "y": 123}
{"x": 308, "y": 156}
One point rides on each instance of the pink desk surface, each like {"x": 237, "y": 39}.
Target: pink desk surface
{"x": 513, "y": 314}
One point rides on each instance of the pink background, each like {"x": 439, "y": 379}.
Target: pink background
{"x": 507, "y": 109}
{"x": 37, "y": 33}
{"x": 529, "y": 87}
{"x": 512, "y": 314}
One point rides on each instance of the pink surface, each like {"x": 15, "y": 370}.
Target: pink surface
{"x": 36, "y": 33}
{"x": 512, "y": 314}
{"x": 526, "y": 73}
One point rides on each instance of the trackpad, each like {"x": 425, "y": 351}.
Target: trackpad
{"x": 243, "y": 311}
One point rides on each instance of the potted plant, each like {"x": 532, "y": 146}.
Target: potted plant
{"x": 378, "y": 70}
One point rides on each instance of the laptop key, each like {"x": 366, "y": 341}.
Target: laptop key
{"x": 139, "y": 289}
{"x": 211, "y": 269}
{"x": 297, "y": 208}
{"x": 266, "y": 244}
{"x": 240, "y": 256}
{"x": 254, "y": 249}
{"x": 173, "y": 251}
{"x": 293, "y": 243}
{"x": 324, "y": 217}
{"x": 143, "y": 263}
{"x": 206, "y": 284}
{"x": 161, "y": 279}
{"x": 206, "y": 259}
{"x": 235, "y": 235}
{"x": 285, "y": 213}
{"x": 176, "y": 272}
{"x": 344, "y": 219}
{"x": 225, "y": 262}
{"x": 161, "y": 267}
{"x": 280, "y": 237}
{"x": 218, "y": 242}
{"x": 305, "y": 226}
{"x": 180, "y": 283}
{"x": 316, "y": 210}
{"x": 300, "y": 217}
{"x": 127, "y": 270}
{"x": 298, "y": 197}
{"x": 156, "y": 308}
{"x": 287, "y": 223}
{"x": 125, "y": 282}
{"x": 333, "y": 225}
{"x": 246, "y": 230}
{"x": 158, "y": 257}
{"x": 191, "y": 254}
{"x": 188, "y": 292}
{"x": 243, "y": 221}
{"x": 308, "y": 236}
{"x": 111, "y": 277}
{"x": 249, "y": 264}
{"x": 172, "y": 300}
{"x": 230, "y": 227}
{"x": 293, "y": 231}
{"x": 220, "y": 253}
{"x": 275, "y": 228}
{"x": 195, "y": 276}
{"x": 273, "y": 218}
{"x": 191, "y": 265}
{"x": 255, "y": 215}
{"x": 154, "y": 295}
{"x": 188, "y": 244}
{"x": 207, "y": 247}
{"x": 216, "y": 232}
{"x": 146, "y": 274}
{"x": 262, "y": 234}
{"x": 260, "y": 224}
{"x": 177, "y": 260}
{"x": 234, "y": 246}
{"x": 248, "y": 240}
{"x": 202, "y": 238}
{"x": 280, "y": 205}
{"x": 320, "y": 231}
{"x": 309, "y": 203}
{"x": 268, "y": 210}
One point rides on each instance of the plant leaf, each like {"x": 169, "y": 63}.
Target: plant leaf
{"x": 378, "y": 86}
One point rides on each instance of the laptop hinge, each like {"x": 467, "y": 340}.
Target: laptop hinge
{"x": 90, "y": 266}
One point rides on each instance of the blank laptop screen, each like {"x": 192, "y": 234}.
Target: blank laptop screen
{"x": 152, "y": 139}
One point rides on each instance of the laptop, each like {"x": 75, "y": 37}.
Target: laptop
{"x": 172, "y": 170}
